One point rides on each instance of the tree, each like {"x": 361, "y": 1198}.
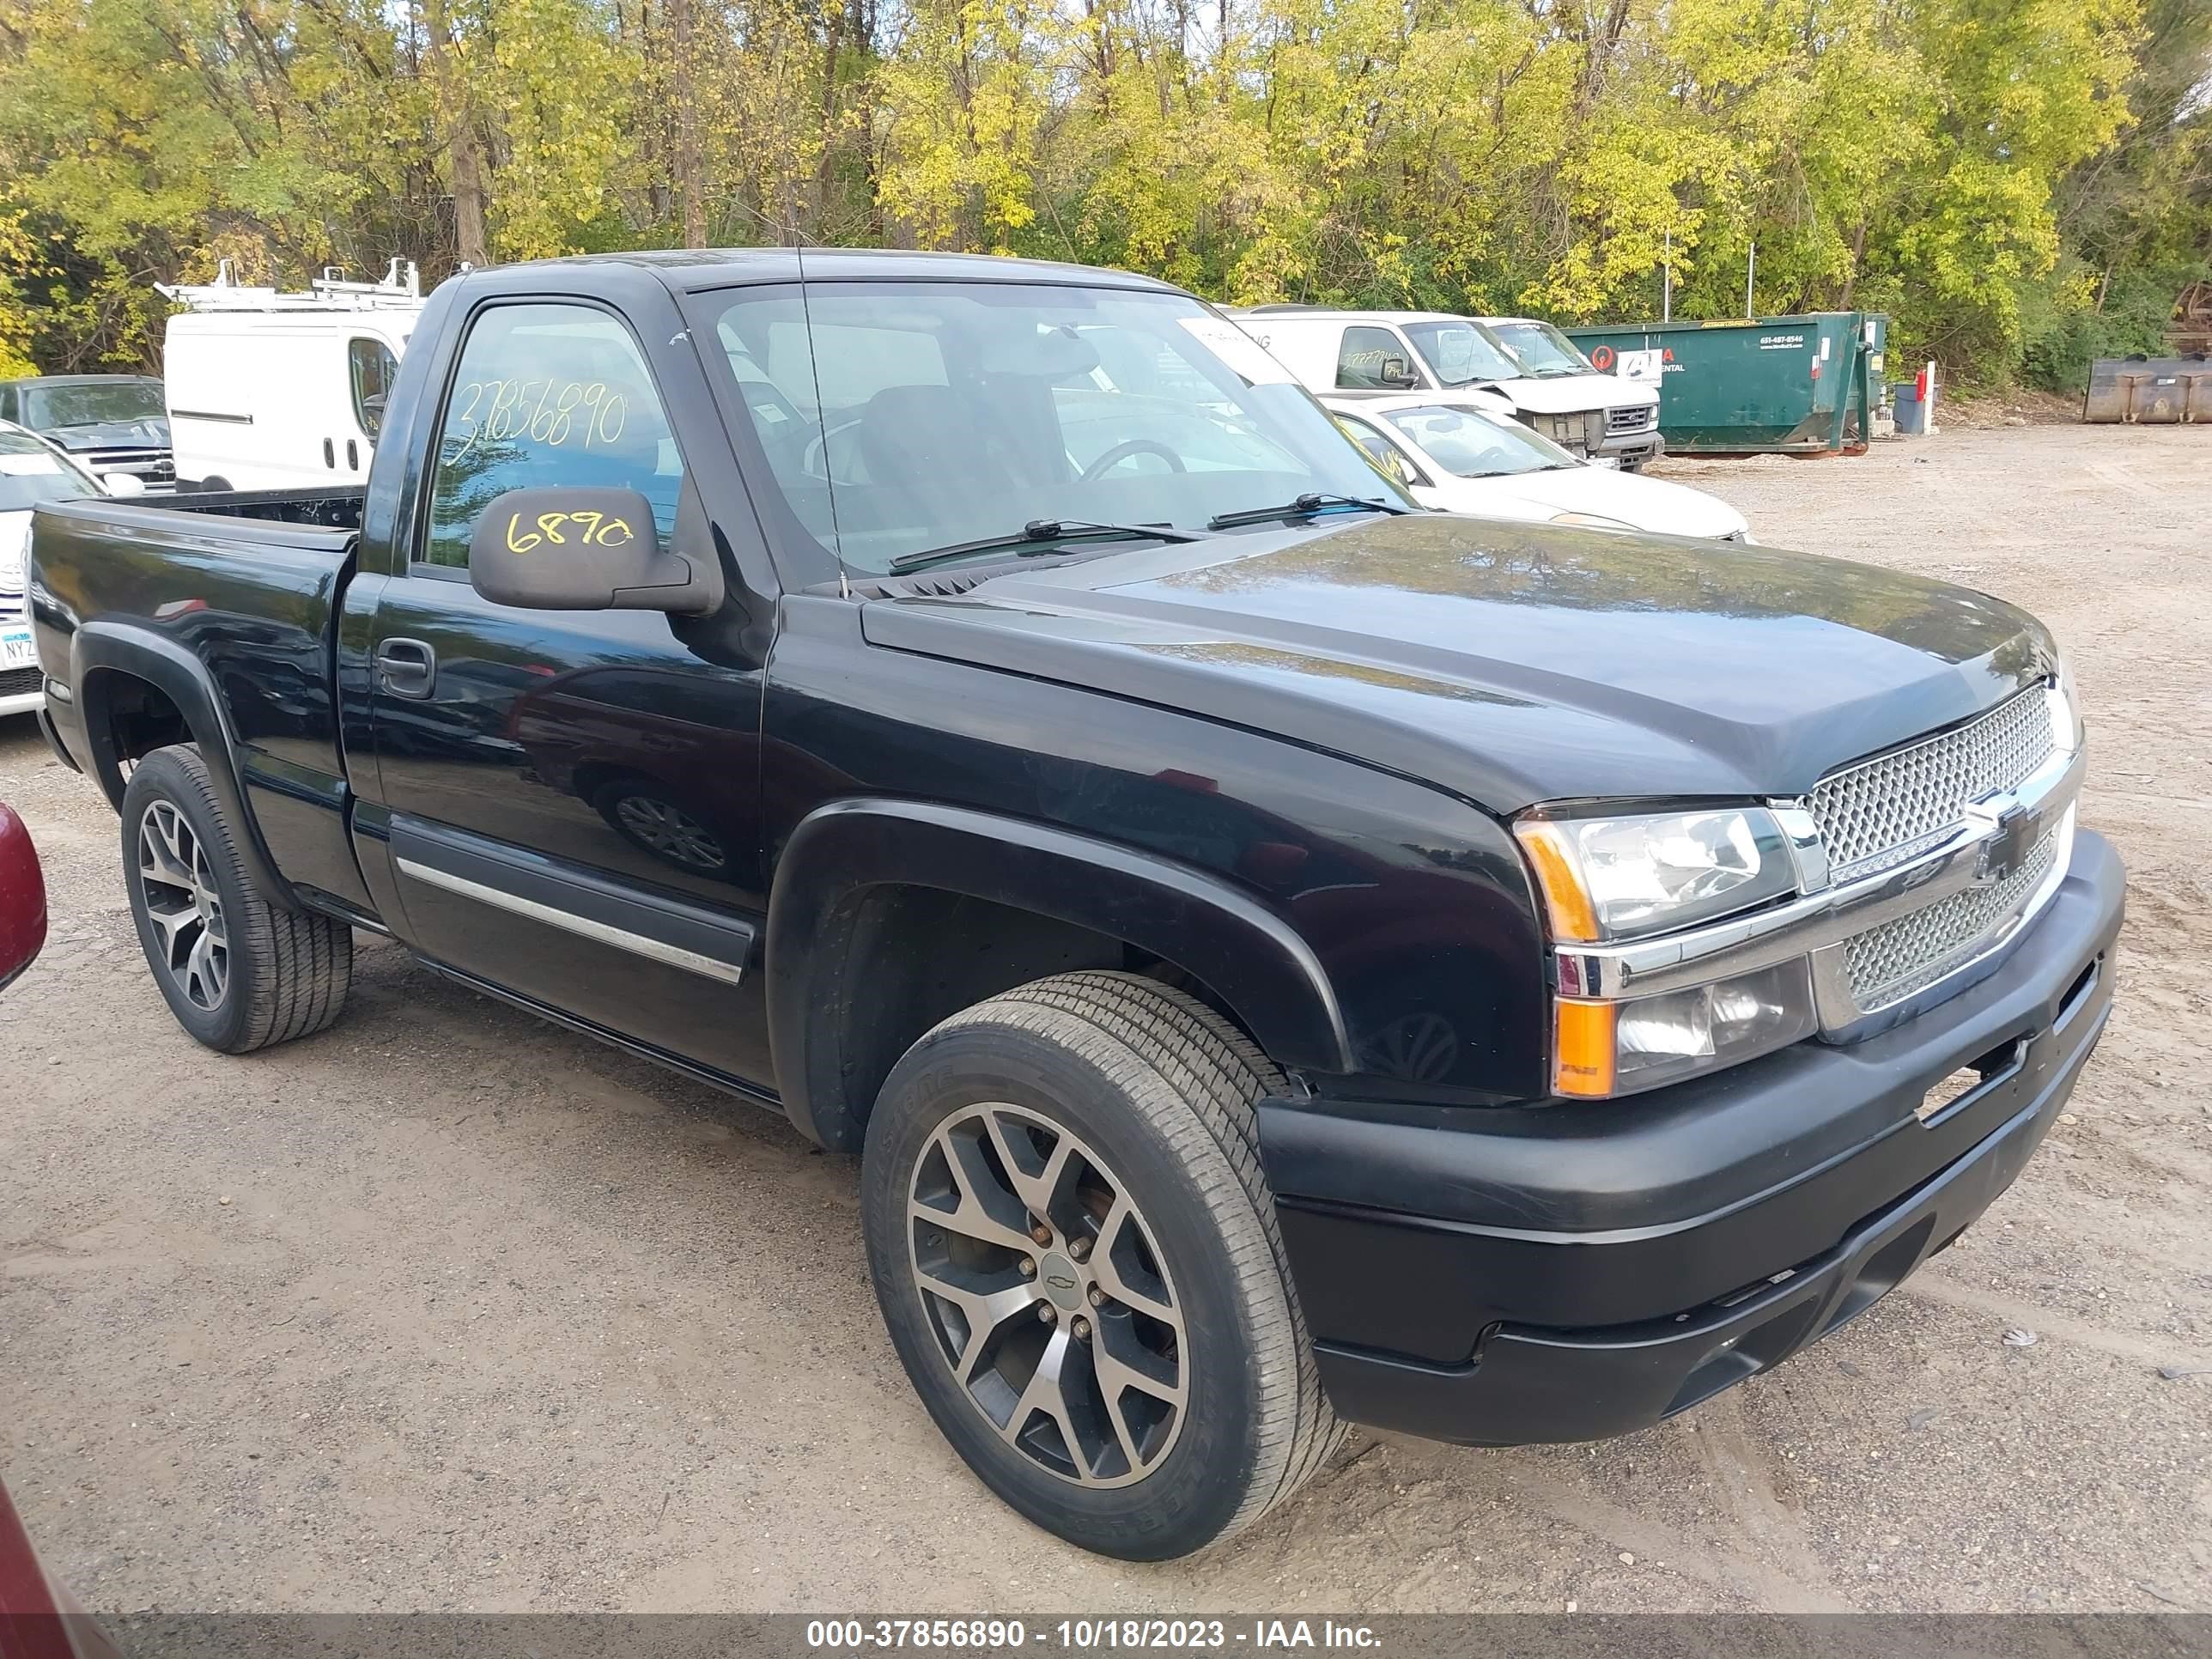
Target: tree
{"x": 2010, "y": 178}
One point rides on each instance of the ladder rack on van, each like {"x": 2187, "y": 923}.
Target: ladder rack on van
{"x": 401, "y": 288}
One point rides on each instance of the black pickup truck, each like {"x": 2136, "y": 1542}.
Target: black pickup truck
{"x": 1284, "y": 959}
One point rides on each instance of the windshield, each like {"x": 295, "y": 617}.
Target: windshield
{"x": 124, "y": 398}
{"x": 1547, "y": 353}
{"x": 31, "y": 473}
{"x": 917, "y": 415}
{"x": 1471, "y": 445}
{"x": 1460, "y": 354}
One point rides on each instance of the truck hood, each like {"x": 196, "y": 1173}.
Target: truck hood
{"x": 1574, "y": 394}
{"x": 151, "y": 432}
{"x": 1506, "y": 663}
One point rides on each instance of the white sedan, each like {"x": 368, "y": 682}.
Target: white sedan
{"x": 31, "y": 471}
{"x": 1461, "y": 458}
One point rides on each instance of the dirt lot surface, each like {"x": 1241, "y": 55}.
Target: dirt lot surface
{"x": 447, "y": 1308}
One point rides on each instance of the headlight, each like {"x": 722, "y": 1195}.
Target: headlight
{"x": 2066, "y": 730}
{"x": 1611, "y": 879}
{"x": 1615, "y": 877}
{"x": 1591, "y": 519}
{"x": 1603, "y": 1048}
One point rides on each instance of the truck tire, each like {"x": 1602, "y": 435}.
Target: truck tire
{"x": 1077, "y": 1255}
{"x": 238, "y": 972}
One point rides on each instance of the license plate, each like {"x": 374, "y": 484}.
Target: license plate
{"x": 16, "y": 650}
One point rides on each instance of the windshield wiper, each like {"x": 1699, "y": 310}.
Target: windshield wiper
{"x": 1029, "y": 538}
{"x": 1304, "y": 507}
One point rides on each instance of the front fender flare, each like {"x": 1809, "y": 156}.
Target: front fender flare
{"x": 1246, "y": 954}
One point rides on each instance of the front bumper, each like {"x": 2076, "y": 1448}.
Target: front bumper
{"x": 1526, "y": 1275}
{"x": 1632, "y": 448}
{"x": 53, "y": 737}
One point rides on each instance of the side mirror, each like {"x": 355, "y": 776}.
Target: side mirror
{"x": 122, "y": 483}
{"x": 561, "y": 549}
{"x": 1397, "y": 371}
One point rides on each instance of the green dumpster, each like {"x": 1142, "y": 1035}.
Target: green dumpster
{"x": 1795, "y": 385}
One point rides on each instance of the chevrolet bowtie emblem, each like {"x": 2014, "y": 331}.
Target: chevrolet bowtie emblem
{"x": 2006, "y": 849}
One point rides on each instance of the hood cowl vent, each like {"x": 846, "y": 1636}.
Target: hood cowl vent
{"x": 947, "y": 586}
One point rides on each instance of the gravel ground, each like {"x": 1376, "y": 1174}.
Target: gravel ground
{"x": 447, "y": 1308}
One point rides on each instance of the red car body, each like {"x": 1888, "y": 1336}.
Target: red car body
{"x": 37, "y": 1620}
{"x": 23, "y": 897}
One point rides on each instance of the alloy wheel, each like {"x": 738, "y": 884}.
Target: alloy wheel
{"x": 1048, "y": 1295}
{"x": 179, "y": 888}
{"x": 670, "y": 831}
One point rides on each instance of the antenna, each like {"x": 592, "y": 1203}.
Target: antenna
{"x": 829, "y": 472}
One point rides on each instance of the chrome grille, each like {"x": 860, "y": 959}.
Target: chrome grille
{"x": 1898, "y": 959}
{"x": 1882, "y": 811}
{"x": 155, "y": 465}
{"x": 1634, "y": 419}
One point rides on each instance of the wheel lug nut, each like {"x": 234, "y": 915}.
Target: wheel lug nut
{"x": 1080, "y": 1249}
{"x": 1042, "y": 1233}
{"x": 1029, "y": 1268}
{"x": 1081, "y": 1327}
{"x": 1047, "y": 1312}
{"x": 1097, "y": 1296}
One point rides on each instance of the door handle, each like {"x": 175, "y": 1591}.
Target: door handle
{"x": 406, "y": 668}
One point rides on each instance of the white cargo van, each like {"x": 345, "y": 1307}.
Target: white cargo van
{"x": 1598, "y": 417}
{"x": 271, "y": 391}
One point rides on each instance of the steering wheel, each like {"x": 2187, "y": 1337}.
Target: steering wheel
{"x": 1129, "y": 446}
{"x": 817, "y": 453}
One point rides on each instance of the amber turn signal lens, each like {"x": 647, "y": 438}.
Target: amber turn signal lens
{"x": 1568, "y": 905}
{"x": 1582, "y": 1047}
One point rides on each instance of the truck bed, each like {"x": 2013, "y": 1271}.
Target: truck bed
{"x": 322, "y": 510}
{"x": 301, "y": 539}
{"x": 246, "y": 583}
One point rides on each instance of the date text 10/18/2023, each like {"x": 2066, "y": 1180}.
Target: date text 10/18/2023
{"x": 981, "y": 1635}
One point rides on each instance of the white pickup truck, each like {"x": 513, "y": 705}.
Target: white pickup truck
{"x": 1548, "y": 385}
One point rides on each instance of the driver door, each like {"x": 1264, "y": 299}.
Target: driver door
{"x": 573, "y": 796}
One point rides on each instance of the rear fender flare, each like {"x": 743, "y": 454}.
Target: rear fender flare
{"x": 102, "y": 652}
{"x": 1246, "y": 954}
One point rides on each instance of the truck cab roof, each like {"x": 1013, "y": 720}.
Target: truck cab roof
{"x": 691, "y": 271}
{"x": 1339, "y": 314}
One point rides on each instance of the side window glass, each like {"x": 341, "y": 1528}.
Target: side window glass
{"x": 1382, "y": 454}
{"x": 546, "y": 395}
{"x": 1372, "y": 359}
{"x": 372, "y": 367}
